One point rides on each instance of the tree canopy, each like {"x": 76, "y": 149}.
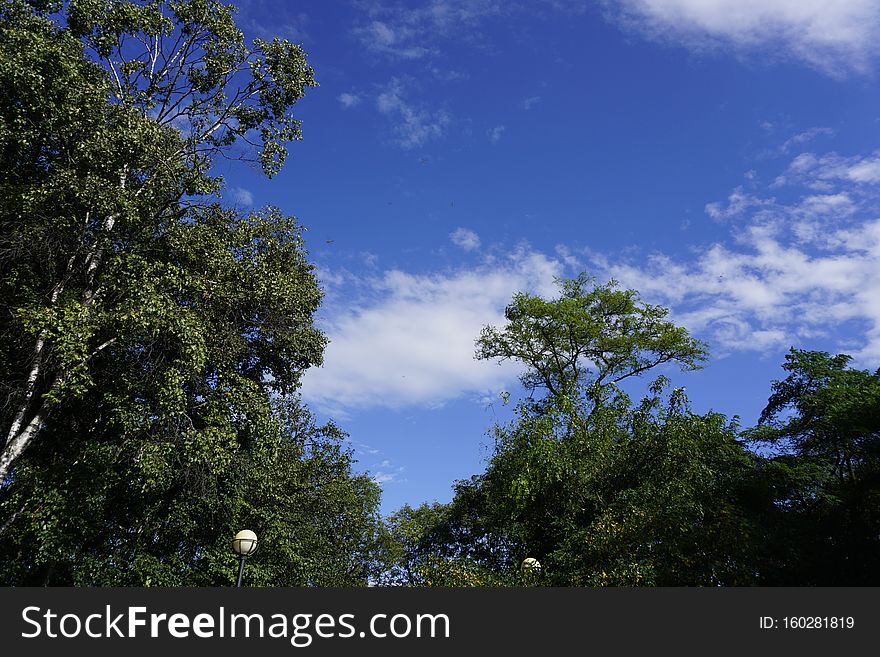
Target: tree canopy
{"x": 152, "y": 339}
{"x": 110, "y": 122}
{"x": 603, "y": 490}
{"x": 589, "y": 338}
{"x": 820, "y": 432}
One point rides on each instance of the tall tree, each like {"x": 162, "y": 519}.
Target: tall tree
{"x": 587, "y": 340}
{"x": 151, "y": 339}
{"x": 111, "y": 117}
{"x": 599, "y": 490}
{"x": 820, "y": 431}
{"x": 650, "y": 494}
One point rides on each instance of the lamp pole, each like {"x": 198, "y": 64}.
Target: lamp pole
{"x": 244, "y": 545}
{"x": 241, "y": 560}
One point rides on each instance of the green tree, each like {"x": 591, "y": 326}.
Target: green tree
{"x": 424, "y": 547}
{"x": 599, "y": 490}
{"x": 821, "y": 432}
{"x": 651, "y": 494}
{"x": 111, "y": 117}
{"x": 151, "y": 339}
{"x": 587, "y": 340}
{"x": 100, "y": 520}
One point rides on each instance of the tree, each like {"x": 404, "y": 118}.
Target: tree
{"x": 651, "y": 494}
{"x": 599, "y": 490}
{"x": 105, "y": 159}
{"x": 152, "y": 340}
{"x": 821, "y": 427}
{"x": 424, "y": 547}
{"x": 100, "y": 519}
{"x": 587, "y": 340}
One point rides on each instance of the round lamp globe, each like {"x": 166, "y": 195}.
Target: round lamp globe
{"x": 531, "y": 565}
{"x": 245, "y": 543}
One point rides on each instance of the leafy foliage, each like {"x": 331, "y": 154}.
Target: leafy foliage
{"x": 152, "y": 340}
{"x": 111, "y": 118}
{"x": 605, "y": 492}
{"x": 822, "y": 428}
{"x": 651, "y": 495}
{"x": 128, "y": 514}
{"x": 589, "y": 338}
{"x": 601, "y": 491}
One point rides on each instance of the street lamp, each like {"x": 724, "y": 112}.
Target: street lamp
{"x": 244, "y": 545}
{"x": 531, "y": 570}
{"x": 531, "y": 564}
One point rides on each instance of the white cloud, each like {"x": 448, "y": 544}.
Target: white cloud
{"x": 788, "y": 273}
{"x": 414, "y": 126}
{"x": 413, "y": 31}
{"x": 447, "y": 75}
{"x": 791, "y": 271}
{"x": 825, "y": 172}
{"x": 363, "y": 449}
{"x": 530, "y": 102}
{"x": 737, "y": 203}
{"x": 397, "y": 40}
{"x": 411, "y": 342}
{"x": 804, "y": 137}
{"x": 348, "y": 100}
{"x": 388, "y": 473}
{"x": 242, "y": 196}
{"x": 834, "y": 37}
{"x": 496, "y": 133}
{"x": 465, "y": 238}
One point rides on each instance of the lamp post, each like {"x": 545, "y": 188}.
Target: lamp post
{"x": 244, "y": 545}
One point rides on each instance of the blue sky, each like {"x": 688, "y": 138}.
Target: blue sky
{"x": 720, "y": 156}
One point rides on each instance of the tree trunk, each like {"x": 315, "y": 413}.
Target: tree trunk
{"x": 20, "y": 434}
{"x": 16, "y": 443}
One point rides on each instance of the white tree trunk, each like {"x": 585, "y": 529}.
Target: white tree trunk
{"x": 18, "y": 441}
{"x": 21, "y": 433}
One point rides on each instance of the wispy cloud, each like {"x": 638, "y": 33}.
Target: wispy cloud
{"x": 496, "y": 133}
{"x": 447, "y": 75}
{"x": 791, "y": 272}
{"x": 804, "y": 137}
{"x": 413, "y": 125}
{"x": 387, "y": 473}
{"x": 398, "y": 40}
{"x": 823, "y": 172}
{"x": 415, "y": 30}
{"x": 380, "y": 471}
{"x": 738, "y": 202}
{"x": 466, "y": 239}
{"x": 242, "y": 196}
{"x": 347, "y": 99}
{"x": 836, "y": 38}
{"x": 530, "y": 102}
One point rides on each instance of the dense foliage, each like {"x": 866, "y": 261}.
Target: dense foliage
{"x": 605, "y": 491}
{"x": 151, "y": 339}
{"x": 820, "y": 432}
